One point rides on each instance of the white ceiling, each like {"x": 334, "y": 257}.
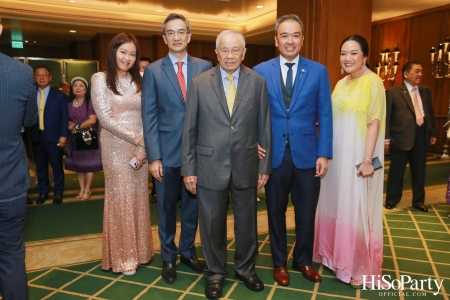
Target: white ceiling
{"x": 48, "y": 21}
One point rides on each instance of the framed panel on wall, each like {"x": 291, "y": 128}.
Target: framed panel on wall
{"x": 81, "y": 68}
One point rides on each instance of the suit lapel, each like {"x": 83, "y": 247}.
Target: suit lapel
{"x": 172, "y": 76}
{"x": 407, "y": 97}
{"x": 191, "y": 70}
{"x": 243, "y": 82}
{"x": 275, "y": 75}
{"x": 300, "y": 78}
{"x": 216, "y": 81}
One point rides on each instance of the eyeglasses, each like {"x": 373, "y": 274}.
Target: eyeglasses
{"x": 172, "y": 34}
{"x": 42, "y": 75}
{"x": 234, "y": 51}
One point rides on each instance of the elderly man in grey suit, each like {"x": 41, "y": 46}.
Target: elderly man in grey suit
{"x": 164, "y": 90}
{"x": 227, "y": 115}
{"x": 19, "y": 108}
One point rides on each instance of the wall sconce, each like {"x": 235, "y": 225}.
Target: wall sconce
{"x": 443, "y": 58}
{"x": 387, "y": 68}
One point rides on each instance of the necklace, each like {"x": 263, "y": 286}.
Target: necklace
{"x": 78, "y": 103}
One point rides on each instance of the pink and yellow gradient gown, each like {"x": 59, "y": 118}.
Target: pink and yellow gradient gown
{"x": 349, "y": 228}
{"x": 127, "y": 235}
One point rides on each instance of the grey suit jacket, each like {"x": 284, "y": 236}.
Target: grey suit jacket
{"x": 18, "y": 107}
{"x": 401, "y": 118}
{"x": 217, "y": 147}
{"x": 163, "y": 109}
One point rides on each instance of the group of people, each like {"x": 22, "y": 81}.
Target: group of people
{"x": 209, "y": 132}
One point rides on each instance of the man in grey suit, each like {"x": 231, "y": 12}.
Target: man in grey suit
{"x": 227, "y": 115}
{"x": 410, "y": 130}
{"x": 164, "y": 89}
{"x": 19, "y": 108}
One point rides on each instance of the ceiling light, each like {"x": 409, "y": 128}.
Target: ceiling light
{"x": 230, "y": 17}
{"x": 26, "y": 41}
{"x": 72, "y": 31}
{"x": 73, "y": 1}
{"x": 259, "y": 6}
{"x": 34, "y": 42}
{"x": 159, "y": 10}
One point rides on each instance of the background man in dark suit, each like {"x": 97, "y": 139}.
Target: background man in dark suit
{"x": 18, "y": 108}
{"x": 410, "y": 129}
{"x": 164, "y": 90}
{"x": 49, "y": 135}
{"x": 299, "y": 92}
{"x": 227, "y": 116}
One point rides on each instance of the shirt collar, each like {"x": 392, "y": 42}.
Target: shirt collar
{"x": 224, "y": 74}
{"x": 174, "y": 60}
{"x": 283, "y": 60}
{"x": 410, "y": 87}
{"x": 46, "y": 90}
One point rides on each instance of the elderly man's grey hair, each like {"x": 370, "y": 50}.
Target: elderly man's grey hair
{"x": 289, "y": 17}
{"x": 225, "y": 32}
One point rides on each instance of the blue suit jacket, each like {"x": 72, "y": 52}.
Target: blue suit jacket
{"x": 56, "y": 118}
{"x": 18, "y": 108}
{"x": 311, "y": 101}
{"x": 163, "y": 109}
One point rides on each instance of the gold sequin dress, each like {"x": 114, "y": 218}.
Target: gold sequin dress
{"x": 127, "y": 235}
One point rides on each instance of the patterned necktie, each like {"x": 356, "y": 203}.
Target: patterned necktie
{"x": 181, "y": 80}
{"x": 289, "y": 77}
{"x": 419, "y": 116}
{"x": 231, "y": 93}
{"x": 41, "y": 110}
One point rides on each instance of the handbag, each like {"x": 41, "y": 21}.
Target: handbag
{"x": 87, "y": 140}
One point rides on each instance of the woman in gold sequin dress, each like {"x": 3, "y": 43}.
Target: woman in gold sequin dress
{"x": 116, "y": 95}
{"x": 349, "y": 229}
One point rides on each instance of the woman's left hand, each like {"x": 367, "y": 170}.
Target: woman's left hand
{"x": 365, "y": 170}
{"x": 141, "y": 158}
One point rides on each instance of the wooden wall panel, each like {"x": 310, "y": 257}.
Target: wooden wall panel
{"x": 415, "y": 35}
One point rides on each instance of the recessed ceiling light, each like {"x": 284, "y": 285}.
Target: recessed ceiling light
{"x": 230, "y": 17}
{"x": 72, "y": 31}
{"x": 159, "y": 10}
{"x": 73, "y": 1}
{"x": 26, "y": 41}
{"x": 259, "y": 6}
{"x": 34, "y": 42}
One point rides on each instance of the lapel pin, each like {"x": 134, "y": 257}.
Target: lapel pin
{"x": 301, "y": 74}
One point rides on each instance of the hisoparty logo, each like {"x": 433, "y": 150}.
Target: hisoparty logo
{"x": 405, "y": 281}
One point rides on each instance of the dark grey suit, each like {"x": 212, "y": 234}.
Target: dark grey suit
{"x": 408, "y": 142}
{"x": 222, "y": 152}
{"x": 18, "y": 108}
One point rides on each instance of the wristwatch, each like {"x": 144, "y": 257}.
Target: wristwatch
{"x": 77, "y": 127}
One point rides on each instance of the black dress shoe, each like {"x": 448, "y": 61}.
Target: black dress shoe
{"x": 169, "y": 272}
{"x": 153, "y": 198}
{"x": 41, "y": 198}
{"x": 389, "y": 205}
{"x": 58, "y": 199}
{"x": 253, "y": 283}
{"x": 193, "y": 262}
{"x": 213, "y": 289}
{"x": 422, "y": 207}
{"x": 29, "y": 200}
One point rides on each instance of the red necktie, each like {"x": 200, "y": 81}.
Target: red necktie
{"x": 181, "y": 81}
{"x": 419, "y": 116}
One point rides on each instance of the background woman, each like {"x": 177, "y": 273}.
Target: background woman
{"x": 349, "y": 231}
{"x": 116, "y": 94}
{"x": 82, "y": 117}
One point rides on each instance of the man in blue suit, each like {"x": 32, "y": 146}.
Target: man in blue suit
{"x": 299, "y": 93}
{"x": 164, "y": 90}
{"x": 18, "y": 108}
{"x": 49, "y": 135}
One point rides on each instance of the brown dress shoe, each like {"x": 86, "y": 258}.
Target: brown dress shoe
{"x": 281, "y": 275}
{"x": 308, "y": 272}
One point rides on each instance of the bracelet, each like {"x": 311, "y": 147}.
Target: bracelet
{"x": 368, "y": 158}
{"x": 77, "y": 127}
